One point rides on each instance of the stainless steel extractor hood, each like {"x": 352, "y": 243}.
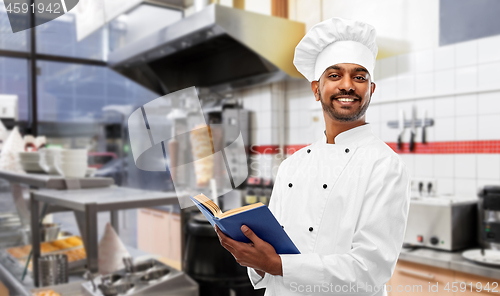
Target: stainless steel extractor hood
{"x": 219, "y": 47}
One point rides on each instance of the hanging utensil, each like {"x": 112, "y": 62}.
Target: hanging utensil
{"x": 401, "y": 126}
{"x": 413, "y": 128}
{"x": 424, "y": 125}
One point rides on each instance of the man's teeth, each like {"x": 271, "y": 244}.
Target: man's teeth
{"x": 345, "y": 100}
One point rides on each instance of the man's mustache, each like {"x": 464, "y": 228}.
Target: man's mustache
{"x": 345, "y": 93}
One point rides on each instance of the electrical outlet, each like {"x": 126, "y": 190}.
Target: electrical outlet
{"x": 423, "y": 187}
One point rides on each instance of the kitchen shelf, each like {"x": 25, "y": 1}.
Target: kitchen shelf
{"x": 87, "y": 203}
{"x": 39, "y": 181}
{"x": 52, "y": 181}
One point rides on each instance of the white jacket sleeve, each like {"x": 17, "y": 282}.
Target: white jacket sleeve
{"x": 257, "y": 281}
{"x": 377, "y": 240}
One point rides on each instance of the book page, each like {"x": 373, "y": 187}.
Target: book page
{"x": 239, "y": 210}
{"x": 209, "y": 204}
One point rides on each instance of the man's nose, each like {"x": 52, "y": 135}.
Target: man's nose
{"x": 346, "y": 84}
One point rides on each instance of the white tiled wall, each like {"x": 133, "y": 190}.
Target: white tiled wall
{"x": 457, "y": 86}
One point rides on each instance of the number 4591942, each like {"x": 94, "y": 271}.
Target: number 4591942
{"x": 40, "y": 8}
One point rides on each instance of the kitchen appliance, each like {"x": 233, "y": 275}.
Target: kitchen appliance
{"x": 150, "y": 277}
{"x": 219, "y": 47}
{"x": 212, "y": 266}
{"x": 488, "y": 223}
{"x": 489, "y": 217}
{"x": 230, "y": 130}
{"x": 441, "y": 223}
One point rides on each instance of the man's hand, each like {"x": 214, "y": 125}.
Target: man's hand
{"x": 258, "y": 254}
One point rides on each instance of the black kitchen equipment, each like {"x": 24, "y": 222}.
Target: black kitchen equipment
{"x": 488, "y": 225}
{"x": 489, "y": 217}
{"x": 212, "y": 266}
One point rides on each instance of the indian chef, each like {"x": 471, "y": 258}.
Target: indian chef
{"x": 344, "y": 199}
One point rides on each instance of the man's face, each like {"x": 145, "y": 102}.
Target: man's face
{"x": 344, "y": 91}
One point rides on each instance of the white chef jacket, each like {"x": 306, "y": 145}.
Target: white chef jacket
{"x": 344, "y": 205}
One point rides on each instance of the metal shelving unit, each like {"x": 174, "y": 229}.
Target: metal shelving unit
{"x": 87, "y": 203}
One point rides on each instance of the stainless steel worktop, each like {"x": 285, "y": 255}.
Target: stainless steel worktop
{"x": 87, "y": 203}
{"x": 11, "y": 271}
{"x": 52, "y": 181}
{"x": 106, "y": 199}
{"x": 447, "y": 260}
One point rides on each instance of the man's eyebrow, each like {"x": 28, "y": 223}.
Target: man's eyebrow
{"x": 334, "y": 67}
{"x": 360, "y": 69}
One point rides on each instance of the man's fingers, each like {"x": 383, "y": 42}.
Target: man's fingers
{"x": 225, "y": 241}
{"x": 250, "y": 234}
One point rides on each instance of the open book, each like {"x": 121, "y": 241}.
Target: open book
{"x": 256, "y": 216}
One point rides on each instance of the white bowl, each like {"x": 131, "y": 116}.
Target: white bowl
{"x": 51, "y": 151}
{"x": 29, "y": 161}
{"x": 29, "y": 155}
{"x": 32, "y": 167}
{"x": 71, "y": 170}
{"x": 65, "y": 158}
{"x": 48, "y": 166}
{"x": 74, "y": 152}
{"x": 48, "y": 157}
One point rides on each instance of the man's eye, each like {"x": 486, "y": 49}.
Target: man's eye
{"x": 333, "y": 75}
{"x": 360, "y": 78}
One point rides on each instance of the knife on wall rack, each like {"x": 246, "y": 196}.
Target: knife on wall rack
{"x": 401, "y": 126}
{"x": 424, "y": 136}
{"x": 413, "y": 129}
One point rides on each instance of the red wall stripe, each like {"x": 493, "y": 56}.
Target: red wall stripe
{"x": 264, "y": 149}
{"x": 449, "y": 147}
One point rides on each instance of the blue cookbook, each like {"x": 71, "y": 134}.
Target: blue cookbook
{"x": 256, "y": 216}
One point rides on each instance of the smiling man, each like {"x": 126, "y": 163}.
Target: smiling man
{"x": 344, "y": 199}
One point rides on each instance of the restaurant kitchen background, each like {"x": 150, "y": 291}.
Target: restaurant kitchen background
{"x": 74, "y": 83}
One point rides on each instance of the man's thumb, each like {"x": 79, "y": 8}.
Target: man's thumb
{"x": 248, "y": 233}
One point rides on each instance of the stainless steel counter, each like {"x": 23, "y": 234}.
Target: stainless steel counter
{"x": 87, "y": 203}
{"x": 39, "y": 181}
{"x": 11, "y": 272}
{"x": 52, "y": 181}
{"x": 448, "y": 260}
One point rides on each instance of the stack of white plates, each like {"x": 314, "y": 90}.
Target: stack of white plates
{"x": 72, "y": 163}
{"x": 30, "y": 161}
{"x": 48, "y": 158}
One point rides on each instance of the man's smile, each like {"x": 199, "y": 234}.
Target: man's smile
{"x": 346, "y": 100}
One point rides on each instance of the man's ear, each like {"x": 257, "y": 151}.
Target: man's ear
{"x": 315, "y": 89}
{"x": 373, "y": 86}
